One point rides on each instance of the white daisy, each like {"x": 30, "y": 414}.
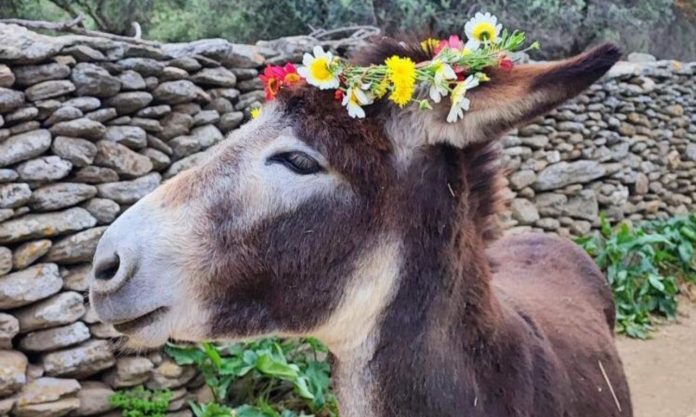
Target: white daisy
{"x": 459, "y": 102}
{"x": 319, "y": 69}
{"x": 482, "y": 28}
{"x": 443, "y": 73}
{"x": 354, "y": 99}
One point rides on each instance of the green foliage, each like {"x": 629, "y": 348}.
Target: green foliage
{"x": 267, "y": 377}
{"x": 140, "y": 402}
{"x": 644, "y": 266}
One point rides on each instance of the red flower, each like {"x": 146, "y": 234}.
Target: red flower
{"x": 275, "y": 77}
{"x": 452, "y": 42}
{"x": 506, "y": 63}
{"x": 338, "y": 95}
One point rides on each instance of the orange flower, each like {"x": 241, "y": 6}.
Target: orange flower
{"x": 276, "y": 77}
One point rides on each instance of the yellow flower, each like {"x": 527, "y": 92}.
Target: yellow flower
{"x": 319, "y": 69}
{"x": 255, "y": 113}
{"x": 482, "y": 28}
{"x": 402, "y": 74}
{"x": 430, "y": 45}
{"x": 382, "y": 88}
{"x": 460, "y": 103}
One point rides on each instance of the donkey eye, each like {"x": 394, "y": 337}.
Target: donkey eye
{"x": 298, "y": 162}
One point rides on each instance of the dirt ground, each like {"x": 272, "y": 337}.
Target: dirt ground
{"x": 662, "y": 371}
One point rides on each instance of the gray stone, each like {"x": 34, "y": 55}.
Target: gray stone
{"x": 185, "y": 163}
{"x": 122, "y": 159}
{"x": 84, "y": 53}
{"x": 24, "y": 146}
{"x": 77, "y": 277}
{"x": 49, "y": 89}
{"x": 63, "y": 114}
{"x": 63, "y": 308}
{"x": 169, "y": 375}
{"x": 129, "y": 371}
{"x": 131, "y": 80}
{"x": 129, "y": 102}
{"x": 5, "y": 260}
{"x": 22, "y": 114}
{"x": 131, "y": 136}
{"x": 61, "y": 195}
{"x": 79, "y": 152}
{"x": 81, "y": 361}
{"x": 206, "y": 117}
{"x": 550, "y": 204}
{"x": 215, "y": 77}
{"x": 95, "y": 175}
{"x": 13, "y": 367}
{"x": 207, "y": 135}
{"x": 85, "y": 104}
{"x": 640, "y": 57}
{"x": 524, "y": 211}
{"x": 79, "y": 128}
{"x": 159, "y": 159}
{"x": 94, "y": 398}
{"x": 582, "y": 206}
{"x": 250, "y": 85}
{"x": 76, "y": 248}
{"x": 229, "y": 54}
{"x": 26, "y": 253}
{"x": 174, "y": 92}
{"x": 565, "y": 173}
{"x": 7, "y": 77}
{"x": 34, "y": 74}
{"x": 58, "y": 408}
{"x": 154, "y": 111}
{"x": 29, "y": 285}
{"x": 8, "y": 175}
{"x": 184, "y": 145}
{"x": 45, "y": 390}
{"x": 128, "y": 192}
{"x": 102, "y": 115}
{"x": 691, "y": 151}
{"x": 229, "y": 121}
{"x": 104, "y": 210}
{"x": 40, "y": 225}
{"x": 24, "y": 127}
{"x": 149, "y": 125}
{"x": 55, "y": 338}
{"x": 45, "y": 168}
{"x": 9, "y": 327}
{"x": 14, "y": 195}
{"x": 144, "y": 66}
{"x": 186, "y": 63}
{"x": 175, "y": 124}
{"x": 93, "y": 80}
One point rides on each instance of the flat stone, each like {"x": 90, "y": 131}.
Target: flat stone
{"x": 104, "y": 331}
{"x": 229, "y": 121}
{"x": 13, "y": 367}
{"x": 46, "y": 390}
{"x": 24, "y": 127}
{"x": 61, "y": 195}
{"x": 95, "y": 175}
{"x": 524, "y": 211}
{"x": 62, "y": 308}
{"x": 45, "y": 168}
{"x": 229, "y": 54}
{"x": 144, "y": 66}
{"x": 186, "y": 63}
{"x": 157, "y": 143}
{"x": 7, "y": 77}
{"x": 55, "y": 338}
{"x": 159, "y": 159}
{"x": 131, "y": 80}
{"x": 22, "y": 114}
{"x": 181, "y": 91}
{"x": 121, "y": 159}
{"x": 76, "y": 277}
{"x": 565, "y": 173}
{"x": 10, "y": 99}
{"x": 79, "y": 128}
{"x": 63, "y": 114}
{"x": 33, "y": 74}
{"x": 207, "y": 135}
{"x": 26, "y": 253}
{"x": 582, "y": 206}
{"x": 80, "y": 152}
{"x": 76, "y": 248}
{"x": 94, "y": 398}
{"x": 9, "y": 327}
{"x": 8, "y": 175}
{"x": 85, "y": 104}
{"x": 206, "y": 117}
{"x": 84, "y": 53}
{"x": 175, "y": 124}
{"x": 104, "y": 210}
{"x": 149, "y": 125}
{"x": 128, "y": 192}
{"x": 154, "y": 112}
{"x": 102, "y": 115}
{"x": 131, "y": 136}
{"x": 49, "y": 89}
{"x": 53, "y": 409}
{"x": 5, "y": 260}
{"x": 80, "y": 361}
{"x": 169, "y": 375}
{"x": 14, "y": 195}
{"x": 550, "y": 204}
{"x": 24, "y": 146}
{"x": 184, "y": 145}
{"x": 130, "y": 371}
{"x": 129, "y": 102}
{"x": 41, "y": 225}
{"x": 29, "y": 285}
{"x": 215, "y": 77}
{"x": 93, "y": 80}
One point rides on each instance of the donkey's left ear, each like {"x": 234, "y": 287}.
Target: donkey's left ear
{"x": 518, "y": 95}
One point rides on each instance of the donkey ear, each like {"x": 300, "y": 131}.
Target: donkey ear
{"x": 515, "y": 96}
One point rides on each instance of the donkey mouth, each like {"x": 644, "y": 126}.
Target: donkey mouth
{"x": 132, "y": 325}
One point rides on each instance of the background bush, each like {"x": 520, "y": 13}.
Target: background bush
{"x": 665, "y": 28}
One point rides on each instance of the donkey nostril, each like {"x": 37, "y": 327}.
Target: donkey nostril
{"x": 106, "y": 269}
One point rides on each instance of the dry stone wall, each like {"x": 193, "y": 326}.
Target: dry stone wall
{"x": 88, "y": 126}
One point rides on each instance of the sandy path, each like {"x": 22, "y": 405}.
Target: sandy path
{"x": 662, "y": 371}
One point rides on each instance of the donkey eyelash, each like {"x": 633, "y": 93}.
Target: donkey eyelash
{"x": 298, "y": 162}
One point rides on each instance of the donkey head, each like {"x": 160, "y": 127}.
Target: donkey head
{"x": 304, "y": 221}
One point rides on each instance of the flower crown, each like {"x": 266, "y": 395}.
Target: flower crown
{"x": 455, "y": 68}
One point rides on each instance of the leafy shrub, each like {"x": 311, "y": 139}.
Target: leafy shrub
{"x": 264, "y": 378}
{"x": 140, "y": 402}
{"x": 644, "y": 265}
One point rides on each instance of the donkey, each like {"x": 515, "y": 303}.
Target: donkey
{"x": 378, "y": 236}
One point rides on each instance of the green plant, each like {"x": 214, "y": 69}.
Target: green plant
{"x": 644, "y": 265}
{"x": 141, "y": 402}
{"x": 268, "y": 377}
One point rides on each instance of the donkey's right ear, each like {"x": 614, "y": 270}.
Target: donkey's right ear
{"x": 511, "y": 98}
